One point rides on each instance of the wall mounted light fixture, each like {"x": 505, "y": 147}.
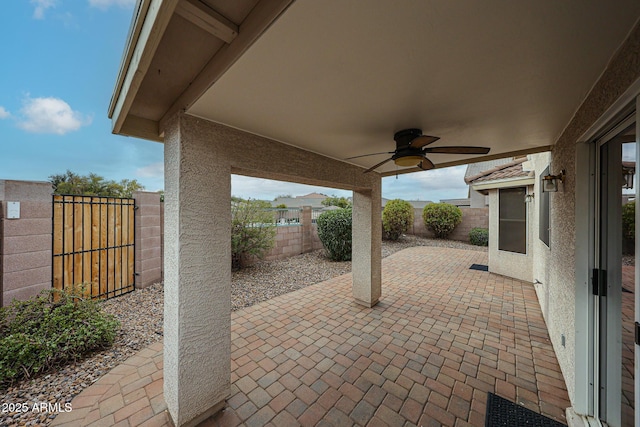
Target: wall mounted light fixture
{"x": 628, "y": 172}
{"x": 550, "y": 183}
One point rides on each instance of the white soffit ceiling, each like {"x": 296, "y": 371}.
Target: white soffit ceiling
{"x": 340, "y": 77}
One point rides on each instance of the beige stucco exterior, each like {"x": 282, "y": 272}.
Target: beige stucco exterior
{"x": 516, "y": 265}
{"x": 199, "y": 158}
{"x": 572, "y": 81}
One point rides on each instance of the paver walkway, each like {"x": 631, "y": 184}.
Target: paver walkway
{"x": 441, "y": 337}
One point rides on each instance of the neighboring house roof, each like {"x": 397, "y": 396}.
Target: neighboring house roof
{"x": 312, "y": 196}
{"x": 296, "y": 202}
{"x": 418, "y": 204}
{"x": 457, "y": 202}
{"x": 512, "y": 169}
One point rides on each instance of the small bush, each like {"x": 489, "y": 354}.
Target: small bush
{"x": 334, "y": 231}
{"x": 479, "y": 236}
{"x": 441, "y": 218}
{"x": 397, "y": 217}
{"x": 253, "y": 231}
{"x": 49, "y": 330}
{"x": 629, "y": 220}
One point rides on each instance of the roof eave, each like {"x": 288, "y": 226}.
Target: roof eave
{"x": 504, "y": 183}
{"x": 148, "y": 26}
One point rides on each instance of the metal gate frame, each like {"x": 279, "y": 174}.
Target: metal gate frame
{"x": 93, "y": 242}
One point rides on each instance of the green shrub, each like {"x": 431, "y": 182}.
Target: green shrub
{"x": 629, "y": 220}
{"x": 397, "y": 217}
{"x": 441, "y": 218}
{"x": 479, "y": 236}
{"x": 253, "y": 231}
{"x": 49, "y": 330}
{"x": 334, "y": 231}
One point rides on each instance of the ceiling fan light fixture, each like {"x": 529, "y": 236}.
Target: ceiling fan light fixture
{"x": 408, "y": 161}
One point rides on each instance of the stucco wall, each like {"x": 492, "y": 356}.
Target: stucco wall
{"x": 519, "y": 266}
{"x": 622, "y": 71}
{"x": 538, "y": 163}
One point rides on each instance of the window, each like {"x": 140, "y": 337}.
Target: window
{"x": 512, "y": 217}
{"x": 544, "y": 212}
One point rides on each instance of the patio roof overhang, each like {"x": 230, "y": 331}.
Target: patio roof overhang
{"x": 340, "y": 77}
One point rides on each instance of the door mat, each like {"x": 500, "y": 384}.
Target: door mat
{"x": 479, "y": 267}
{"x": 501, "y": 412}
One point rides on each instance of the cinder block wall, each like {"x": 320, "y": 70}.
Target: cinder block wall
{"x": 25, "y": 242}
{"x": 296, "y": 239}
{"x": 149, "y": 220}
{"x": 471, "y": 218}
{"x": 288, "y": 242}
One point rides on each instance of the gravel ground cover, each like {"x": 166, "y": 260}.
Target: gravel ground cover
{"x": 141, "y": 313}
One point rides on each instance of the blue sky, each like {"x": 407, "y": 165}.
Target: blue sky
{"x": 60, "y": 62}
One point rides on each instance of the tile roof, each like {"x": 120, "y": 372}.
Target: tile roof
{"x": 512, "y": 169}
{"x": 476, "y": 168}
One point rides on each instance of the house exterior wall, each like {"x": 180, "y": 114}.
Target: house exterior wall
{"x": 519, "y": 266}
{"x": 477, "y": 199}
{"x": 566, "y": 277}
{"x": 541, "y": 252}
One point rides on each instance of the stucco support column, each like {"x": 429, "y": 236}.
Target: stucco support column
{"x": 197, "y": 285}
{"x": 367, "y": 242}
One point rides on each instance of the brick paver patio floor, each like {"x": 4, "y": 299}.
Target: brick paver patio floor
{"x": 441, "y": 337}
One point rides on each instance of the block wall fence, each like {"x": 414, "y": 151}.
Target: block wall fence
{"x": 26, "y": 231}
{"x": 471, "y": 218}
{"x": 26, "y": 240}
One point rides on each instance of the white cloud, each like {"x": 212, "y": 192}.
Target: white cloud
{"x": 433, "y": 185}
{"x": 4, "y": 114}
{"x": 153, "y": 170}
{"x": 105, "y": 4}
{"x": 50, "y": 115}
{"x": 266, "y": 189}
{"x": 41, "y": 6}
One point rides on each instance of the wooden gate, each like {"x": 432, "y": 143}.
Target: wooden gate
{"x": 94, "y": 244}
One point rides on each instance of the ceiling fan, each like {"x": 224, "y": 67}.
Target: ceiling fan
{"x": 411, "y": 150}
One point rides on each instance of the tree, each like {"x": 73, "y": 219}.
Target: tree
{"x": 92, "y": 185}
{"x": 253, "y": 231}
{"x": 341, "y": 202}
{"x": 397, "y": 217}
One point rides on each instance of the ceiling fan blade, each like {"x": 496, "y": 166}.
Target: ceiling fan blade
{"x": 457, "y": 150}
{"x": 423, "y": 140}
{"x": 426, "y": 164}
{"x": 372, "y": 154}
{"x": 378, "y": 165}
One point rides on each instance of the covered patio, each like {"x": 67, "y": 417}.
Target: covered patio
{"x": 441, "y": 338}
{"x": 321, "y": 93}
